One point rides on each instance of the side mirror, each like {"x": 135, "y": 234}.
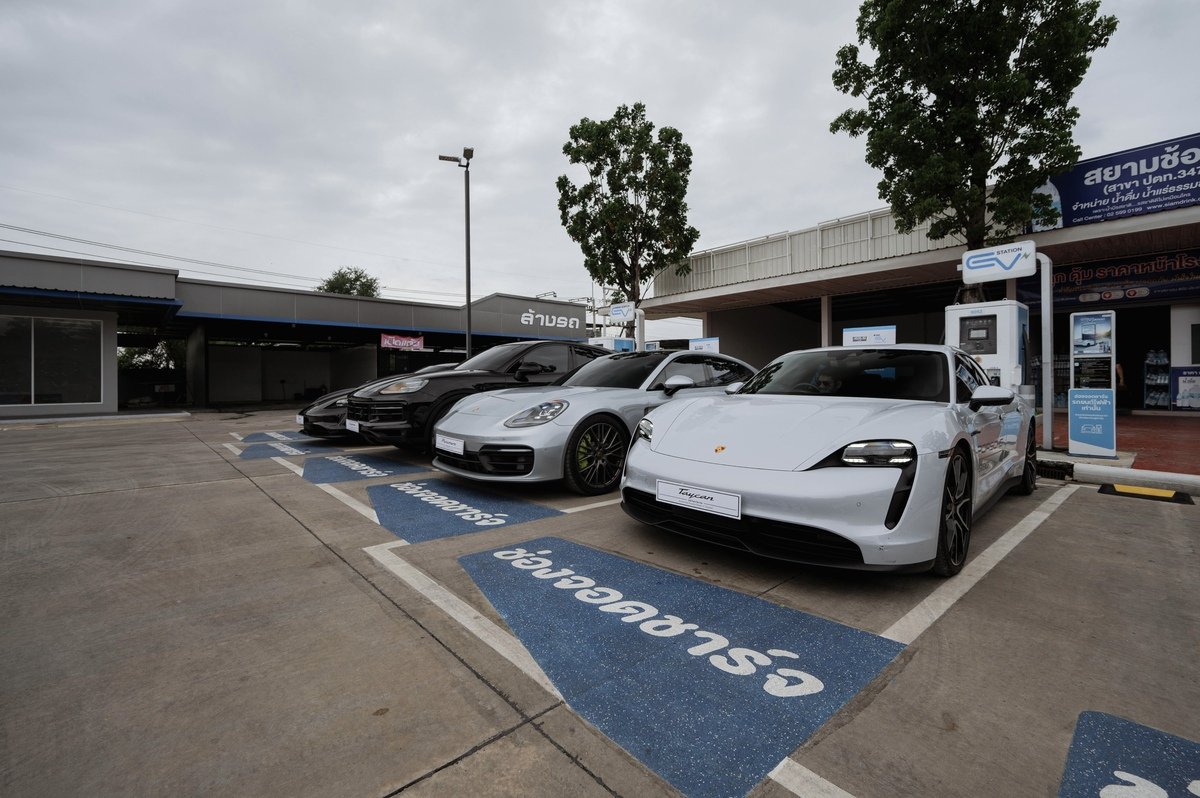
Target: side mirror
{"x": 525, "y": 369}
{"x": 677, "y": 382}
{"x": 991, "y": 396}
{"x": 734, "y": 387}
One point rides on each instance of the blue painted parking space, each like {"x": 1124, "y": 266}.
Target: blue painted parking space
{"x": 260, "y": 437}
{"x": 1117, "y": 758}
{"x": 308, "y": 446}
{"x": 348, "y": 467}
{"x": 434, "y": 508}
{"x": 708, "y": 687}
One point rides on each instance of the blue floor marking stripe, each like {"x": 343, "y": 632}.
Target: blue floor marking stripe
{"x": 1134, "y": 760}
{"x": 257, "y": 451}
{"x": 434, "y": 508}
{"x": 347, "y": 467}
{"x": 708, "y": 687}
{"x": 266, "y": 437}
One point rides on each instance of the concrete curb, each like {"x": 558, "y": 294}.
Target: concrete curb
{"x": 1102, "y": 475}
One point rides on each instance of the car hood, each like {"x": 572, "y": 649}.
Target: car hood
{"x": 786, "y": 433}
{"x": 508, "y": 402}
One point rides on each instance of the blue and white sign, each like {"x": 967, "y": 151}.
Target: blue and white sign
{"x": 1092, "y": 420}
{"x": 881, "y": 335}
{"x": 1111, "y": 757}
{"x": 623, "y": 311}
{"x": 704, "y": 344}
{"x": 1158, "y": 177}
{"x": 434, "y": 508}
{"x": 347, "y": 467}
{"x": 708, "y": 687}
{"x": 1005, "y": 262}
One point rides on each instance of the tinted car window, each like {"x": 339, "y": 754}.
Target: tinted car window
{"x": 494, "y": 359}
{"x": 726, "y": 372}
{"x": 689, "y": 366}
{"x": 870, "y": 373}
{"x": 584, "y": 355}
{"x": 553, "y": 358}
{"x": 626, "y": 370}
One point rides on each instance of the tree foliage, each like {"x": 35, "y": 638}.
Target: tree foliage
{"x": 630, "y": 218}
{"x": 963, "y": 93}
{"x": 352, "y": 281}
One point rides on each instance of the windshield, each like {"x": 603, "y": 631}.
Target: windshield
{"x": 626, "y": 370}
{"x": 493, "y": 359}
{"x": 869, "y": 373}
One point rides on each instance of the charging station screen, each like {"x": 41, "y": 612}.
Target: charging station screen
{"x": 977, "y": 335}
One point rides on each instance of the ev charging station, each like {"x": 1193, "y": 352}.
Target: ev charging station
{"x": 995, "y": 334}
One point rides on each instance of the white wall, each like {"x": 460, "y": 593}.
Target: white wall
{"x": 1182, "y": 319}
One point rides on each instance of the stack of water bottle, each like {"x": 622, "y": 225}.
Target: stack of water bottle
{"x": 1158, "y": 393}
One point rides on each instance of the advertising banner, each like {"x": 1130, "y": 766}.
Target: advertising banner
{"x": 387, "y": 341}
{"x": 1157, "y": 177}
{"x": 1092, "y": 422}
{"x": 1185, "y": 388}
{"x": 1140, "y": 278}
{"x": 883, "y": 335}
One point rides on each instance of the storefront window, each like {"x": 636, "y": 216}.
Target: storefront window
{"x": 50, "y": 361}
{"x": 16, "y": 355}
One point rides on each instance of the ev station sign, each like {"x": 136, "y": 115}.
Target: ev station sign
{"x": 708, "y": 687}
{"x": 999, "y": 263}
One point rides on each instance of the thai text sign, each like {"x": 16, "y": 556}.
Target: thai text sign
{"x": 1143, "y": 278}
{"x": 387, "y": 341}
{"x": 1158, "y": 177}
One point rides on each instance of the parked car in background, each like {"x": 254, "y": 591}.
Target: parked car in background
{"x": 872, "y": 458}
{"x": 326, "y": 416}
{"x": 578, "y": 430}
{"x": 403, "y": 411}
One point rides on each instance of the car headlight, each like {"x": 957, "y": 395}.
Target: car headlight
{"x": 879, "y": 453}
{"x": 404, "y": 386}
{"x": 645, "y": 429}
{"x": 540, "y": 414}
{"x": 340, "y": 402}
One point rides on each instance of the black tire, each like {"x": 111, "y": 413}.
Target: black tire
{"x": 1028, "y": 483}
{"x": 435, "y": 416}
{"x": 954, "y": 527}
{"x": 595, "y": 455}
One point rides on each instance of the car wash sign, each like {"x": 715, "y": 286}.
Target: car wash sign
{"x": 1005, "y": 262}
{"x": 387, "y": 341}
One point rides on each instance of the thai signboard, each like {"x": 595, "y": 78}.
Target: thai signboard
{"x": 1139, "y": 278}
{"x": 1158, "y": 177}
{"x": 387, "y": 341}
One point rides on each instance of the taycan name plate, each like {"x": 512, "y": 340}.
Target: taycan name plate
{"x": 704, "y": 499}
{"x": 452, "y": 445}
{"x": 708, "y": 687}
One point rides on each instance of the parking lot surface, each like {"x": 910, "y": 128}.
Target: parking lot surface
{"x": 217, "y": 604}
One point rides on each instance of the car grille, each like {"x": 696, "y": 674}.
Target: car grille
{"x": 513, "y": 461}
{"x": 761, "y": 536}
{"x": 360, "y": 410}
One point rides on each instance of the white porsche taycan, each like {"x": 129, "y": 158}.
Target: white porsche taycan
{"x": 577, "y": 431}
{"x": 870, "y": 458}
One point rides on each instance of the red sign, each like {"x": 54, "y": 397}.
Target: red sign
{"x": 401, "y": 341}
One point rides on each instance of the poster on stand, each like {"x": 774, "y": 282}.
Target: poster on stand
{"x": 1091, "y": 401}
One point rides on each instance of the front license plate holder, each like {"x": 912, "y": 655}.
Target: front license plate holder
{"x": 352, "y": 425}
{"x": 705, "y": 500}
{"x": 448, "y": 444}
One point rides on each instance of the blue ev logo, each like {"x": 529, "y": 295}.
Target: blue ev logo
{"x": 1000, "y": 263}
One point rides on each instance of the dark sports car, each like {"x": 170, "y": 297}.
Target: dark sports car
{"x": 403, "y": 410}
{"x": 326, "y": 416}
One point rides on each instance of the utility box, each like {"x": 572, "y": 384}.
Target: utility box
{"x": 995, "y": 334}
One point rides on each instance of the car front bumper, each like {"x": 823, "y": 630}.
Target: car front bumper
{"x": 494, "y": 453}
{"x": 817, "y": 516}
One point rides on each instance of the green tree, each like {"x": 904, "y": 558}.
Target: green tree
{"x": 962, "y": 94}
{"x": 352, "y": 281}
{"x": 630, "y": 218}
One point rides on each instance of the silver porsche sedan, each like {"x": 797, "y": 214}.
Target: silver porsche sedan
{"x": 577, "y": 431}
{"x": 870, "y": 458}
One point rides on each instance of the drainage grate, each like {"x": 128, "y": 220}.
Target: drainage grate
{"x": 1055, "y": 469}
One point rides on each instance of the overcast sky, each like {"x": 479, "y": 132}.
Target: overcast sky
{"x": 296, "y": 137}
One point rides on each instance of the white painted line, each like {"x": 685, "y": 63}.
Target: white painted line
{"x": 234, "y": 434}
{"x": 935, "y": 605}
{"x": 232, "y": 448}
{"x": 582, "y": 508}
{"x": 501, "y": 641}
{"x": 803, "y": 782}
{"x": 351, "y": 502}
{"x": 295, "y": 469}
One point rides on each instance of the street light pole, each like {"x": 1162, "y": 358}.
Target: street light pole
{"x": 464, "y": 163}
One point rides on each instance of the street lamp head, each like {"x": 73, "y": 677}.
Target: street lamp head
{"x": 468, "y": 152}
{"x": 453, "y": 158}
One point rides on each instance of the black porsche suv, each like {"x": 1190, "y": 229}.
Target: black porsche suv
{"x": 403, "y": 411}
